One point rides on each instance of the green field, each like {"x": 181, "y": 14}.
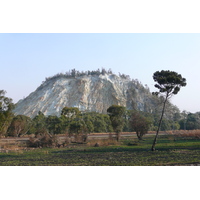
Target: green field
{"x": 130, "y": 152}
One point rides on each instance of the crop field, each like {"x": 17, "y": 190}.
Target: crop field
{"x": 178, "y": 149}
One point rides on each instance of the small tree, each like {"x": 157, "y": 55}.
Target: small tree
{"x": 68, "y": 115}
{"x": 19, "y": 126}
{"x": 140, "y": 124}
{"x": 6, "y": 115}
{"x": 54, "y": 124}
{"x": 116, "y": 114}
{"x": 39, "y": 124}
{"x": 168, "y": 83}
{"x": 70, "y": 112}
{"x": 78, "y": 128}
{"x": 99, "y": 124}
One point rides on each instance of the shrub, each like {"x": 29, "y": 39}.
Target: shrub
{"x": 42, "y": 141}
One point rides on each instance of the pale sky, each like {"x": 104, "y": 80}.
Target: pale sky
{"x": 26, "y": 59}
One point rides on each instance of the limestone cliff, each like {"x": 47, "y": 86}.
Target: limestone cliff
{"x": 88, "y": 93}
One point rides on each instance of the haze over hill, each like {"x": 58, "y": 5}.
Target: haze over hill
{"x": 89, "y": 91}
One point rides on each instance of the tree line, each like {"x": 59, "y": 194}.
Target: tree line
{"x": 74, "y": 122}
{"x": 76, "y": 73}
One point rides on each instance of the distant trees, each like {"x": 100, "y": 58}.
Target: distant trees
{"x": 140, "y": 124}
{"x": 191, "y": 121}
{"x": 88, "y": 122}
{"x": 116, "y": 114}
{"x": 79, "y": 130}
{"x": 99, "y": 123}
{"x": 54, "y": 124}
{"x": 75, "y": 123}
{"x": 75, "y": 73}
{"x": 70, "y": 112}
{"x": 6, "y": 115}
{"x": 71, "y": 122}
{"x": 169, "y": 83}
{"x": 39, "y": 124}
{"x": 19, "y": 126}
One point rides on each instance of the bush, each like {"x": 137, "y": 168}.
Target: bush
{"x": 42, "y": 141}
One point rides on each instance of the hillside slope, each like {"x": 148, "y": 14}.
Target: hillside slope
{"x": 88, "y": 93}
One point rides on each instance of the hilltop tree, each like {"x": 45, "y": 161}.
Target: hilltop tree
{"x": 168, "y": 83}
{"x": 116, "y": 114}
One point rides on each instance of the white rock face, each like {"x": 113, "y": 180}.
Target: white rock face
{"x": 88, "y": 93}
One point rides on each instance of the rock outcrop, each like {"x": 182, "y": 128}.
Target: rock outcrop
{"x": 88, "y": 93}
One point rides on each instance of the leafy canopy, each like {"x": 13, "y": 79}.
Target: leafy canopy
{"x": 140, "y": 124}
{"x": 168, "y": 82}
{"x": 6, "y": 114}
{"x": 70, "y": 112}
{"x": 116, "y": 114}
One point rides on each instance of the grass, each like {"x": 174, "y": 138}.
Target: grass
{"x": 171, "y": 150}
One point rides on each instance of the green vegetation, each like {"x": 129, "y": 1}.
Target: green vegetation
{"x": 129, "y": 152}
{"x": 6, "y": 115}
{"x": 140, "y": 124}
{"x": 75, "y": 73}
{"x": 91, "y": 122}
{"x": 116, "y": 114}
{"x": 19, "y": 126}
{"x": 190, "y": 121}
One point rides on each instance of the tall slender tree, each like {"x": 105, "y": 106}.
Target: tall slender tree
{"x": 169, "y": 84}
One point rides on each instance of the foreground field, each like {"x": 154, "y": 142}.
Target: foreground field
{"x": 129, "y": 152}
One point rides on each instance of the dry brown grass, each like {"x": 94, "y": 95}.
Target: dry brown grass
{"x": 185, "y": 133}
{"x": 12, "y": 145}
{"x": 102, "y": 142}
{"x": 16, "y": 145}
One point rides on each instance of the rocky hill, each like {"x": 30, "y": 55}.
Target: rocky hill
{"x": 88, "y": 92}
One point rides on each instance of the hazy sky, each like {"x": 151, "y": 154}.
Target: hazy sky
{"x": 26, "y": 59}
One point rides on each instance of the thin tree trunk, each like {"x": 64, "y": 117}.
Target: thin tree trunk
{"x": 2, "y": 128}
{"x": 155, "y": 140}
{"x": 18, "y": 131}
{"x": 118, "y": 136}
{"x": 25, "y": 132}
